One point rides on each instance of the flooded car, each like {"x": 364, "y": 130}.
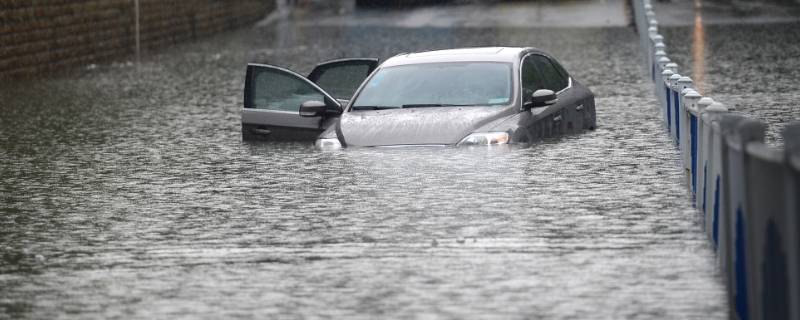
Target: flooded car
{"x": 471, "y": 96}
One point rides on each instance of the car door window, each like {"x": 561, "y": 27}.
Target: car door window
{"x": 551, "y": 78}
{"x": 341, "y": 78}
{"x": 276, "y": 89}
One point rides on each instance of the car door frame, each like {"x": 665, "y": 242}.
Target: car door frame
{"x": 273, "y": 124}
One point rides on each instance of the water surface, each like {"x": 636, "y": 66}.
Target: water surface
{"x": 130, "y": 194}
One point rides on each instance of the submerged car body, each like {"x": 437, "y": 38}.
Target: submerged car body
{"x": 493, "y": 95}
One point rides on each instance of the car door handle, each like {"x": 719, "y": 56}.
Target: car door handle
{"x": 557, "y": 118}
{"x": 579, "y": 107}
{"x": 261, "y": 131}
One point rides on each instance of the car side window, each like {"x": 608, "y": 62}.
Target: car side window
{"x": 561, "y": 70}
{"x": 552, "y": 78}
{"x": 275, "y": 89}
{"x": 531, "y": 79}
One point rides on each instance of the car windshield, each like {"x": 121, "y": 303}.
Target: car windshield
{"x": 437, "y": 85}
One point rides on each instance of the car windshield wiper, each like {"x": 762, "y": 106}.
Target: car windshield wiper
{"x": 426, "y": 105}
{"x": 375, "y": 107}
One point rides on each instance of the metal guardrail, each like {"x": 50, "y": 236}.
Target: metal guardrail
{"x": 747, "y": 192}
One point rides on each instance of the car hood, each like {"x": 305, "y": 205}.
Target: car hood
{"x": 415, "y": 126}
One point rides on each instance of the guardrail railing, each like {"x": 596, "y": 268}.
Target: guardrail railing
{"x": 747, "y": 192}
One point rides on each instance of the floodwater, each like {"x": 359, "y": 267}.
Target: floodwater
{"x": 129, "y": 194}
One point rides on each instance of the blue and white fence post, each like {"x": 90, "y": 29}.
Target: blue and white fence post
{"x": 769, "y": 233}
{"x": 654, "y": 37}
{"x": 661, "y": 61}
{"x": 657, "y": 68}
{"x": 672, "y": 107}
{"x": 659, "y": 51}
{"x": 689, "y": 105}
{"x": 712, "y": 175}
{"x": 665, "y": 95}
{"x": 662, "y": 65}
{"x": 700, "y": 172}
{"x": 683, "y": 87}
{"x": 791, "y": 142}
{"x": 650, "y": 41}
{"x": 718, "y": 206}
{"x": 650, "y": 18}
{"x": 747, "y": 131}
{"x": 671, "y": 66}
{"x": 649, "y": 14}
{"x": 659, "y": 46}
{"x": 728, "y": 126}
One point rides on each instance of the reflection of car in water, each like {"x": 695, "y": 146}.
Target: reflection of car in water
{"x": 473, "y": 96}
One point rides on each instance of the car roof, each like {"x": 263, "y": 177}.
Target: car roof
{"x": 486, "y": 54}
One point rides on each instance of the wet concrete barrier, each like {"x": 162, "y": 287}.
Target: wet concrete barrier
{"x": 747, "y": 192}
{"x": 41, "y": 37}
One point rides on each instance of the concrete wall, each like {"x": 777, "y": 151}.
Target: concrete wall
{"x": 40, "y": 36}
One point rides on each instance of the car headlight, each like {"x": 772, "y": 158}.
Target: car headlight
{"x": 328, "y": 144}
{"x": 485, "y": 139}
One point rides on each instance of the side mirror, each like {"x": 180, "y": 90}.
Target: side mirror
{"x": 313, "y": 108}
{"x": 543, "y": 98}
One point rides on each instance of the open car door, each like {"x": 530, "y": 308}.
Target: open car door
{"x": 273, "y": 97}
